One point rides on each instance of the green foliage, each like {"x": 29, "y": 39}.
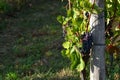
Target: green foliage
{"x": 75, "y": 22}
{"x": 112, "y": 8}
{"x": 4, "y": 7}
{"x": 11, "y": 76}
{"x": 0, "y": 77}
{"x": 112, "y": 16}
{"x": 66, "y": 45}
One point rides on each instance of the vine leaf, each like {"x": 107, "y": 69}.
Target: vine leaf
{"x": 81, "y": 66}
{"x": 72, "y": 50}
{"x": 66, "y": 44}
{"x": 74, "y": 61}
{"x": 60, "y": 19}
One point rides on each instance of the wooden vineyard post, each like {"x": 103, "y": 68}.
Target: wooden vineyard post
{"x": 97, "y": 60}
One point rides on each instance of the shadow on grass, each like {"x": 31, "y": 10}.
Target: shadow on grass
{"x": 34, "y": 32}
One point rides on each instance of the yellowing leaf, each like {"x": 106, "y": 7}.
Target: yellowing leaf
{"x": 66, "y": 44}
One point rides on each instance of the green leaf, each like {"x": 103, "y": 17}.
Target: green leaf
{"x": 81, "y": 66}
{"x": 60, "y": 19}
{"x": 69, "y": 13}
{"x": 107, "y": 41}
{"x": 82, "y": 3}
{"x": 73, "y": 65}
{"x": 66, "y": 44}
{"x": 66, "y": 53}
{"x": 74, "y": 60}
{"x": 63, "y": 52}
{"x": 72, "y": 50}
{"x": 66, "y": 20}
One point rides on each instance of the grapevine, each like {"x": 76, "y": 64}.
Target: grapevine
{"x": 78, "y": 38}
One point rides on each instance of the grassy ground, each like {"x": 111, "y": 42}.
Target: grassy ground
{"x": 30, "y": 45}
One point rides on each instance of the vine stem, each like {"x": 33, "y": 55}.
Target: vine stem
{"x": 81, "y": 76}
{"x": 69, "y": 3}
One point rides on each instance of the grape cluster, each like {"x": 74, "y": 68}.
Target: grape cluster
{"x": 87, "y": 14}
{"x": 87, "y": 42}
